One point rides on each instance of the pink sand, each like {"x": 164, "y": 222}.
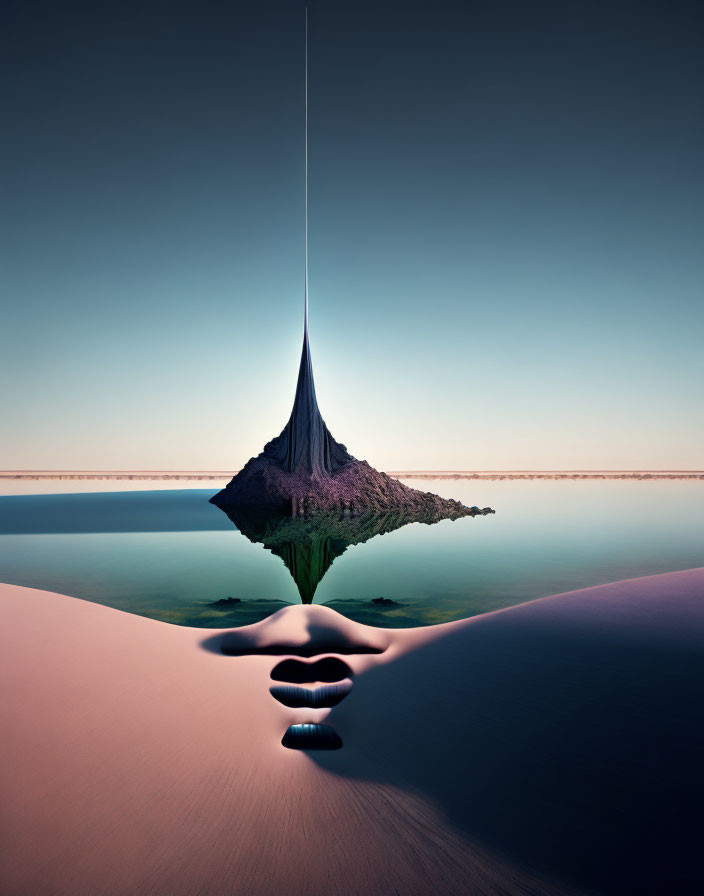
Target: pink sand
{"x": 135, "y": 761}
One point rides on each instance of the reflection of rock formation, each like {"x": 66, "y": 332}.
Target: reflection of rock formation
{"x": 309, "y": 545}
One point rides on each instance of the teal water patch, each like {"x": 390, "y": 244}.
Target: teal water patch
{"x": 171, "y": 555}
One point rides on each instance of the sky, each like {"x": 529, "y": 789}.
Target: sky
{"x": 506, "y": 232}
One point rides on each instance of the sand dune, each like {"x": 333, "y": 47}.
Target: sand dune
{"x": 550, "y": 748}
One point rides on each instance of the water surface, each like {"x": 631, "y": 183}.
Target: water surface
{"x": 171, "y": 555}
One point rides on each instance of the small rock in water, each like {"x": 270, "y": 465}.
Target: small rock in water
{"x": 226, "y": 602}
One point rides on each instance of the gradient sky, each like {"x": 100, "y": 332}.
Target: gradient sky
{"x": 507, "y": 253}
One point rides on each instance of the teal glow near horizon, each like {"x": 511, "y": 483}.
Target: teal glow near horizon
{"x": 506, "y": 262}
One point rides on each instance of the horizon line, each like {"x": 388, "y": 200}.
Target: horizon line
{"x": 230, "y": 472}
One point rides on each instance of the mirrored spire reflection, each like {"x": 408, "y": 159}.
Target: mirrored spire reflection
{"x": 309, "y": 545}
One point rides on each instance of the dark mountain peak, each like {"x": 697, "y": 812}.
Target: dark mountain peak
{"x": 306, "y": 445}
{"x": 304, "y": 470}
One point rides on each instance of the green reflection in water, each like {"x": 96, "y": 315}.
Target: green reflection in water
{"x": 172, "y": 556}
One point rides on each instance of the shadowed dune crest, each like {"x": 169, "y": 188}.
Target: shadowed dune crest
{"x": 565, "y": 733}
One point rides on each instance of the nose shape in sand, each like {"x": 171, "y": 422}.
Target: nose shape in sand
{"x": 303, "y": 631}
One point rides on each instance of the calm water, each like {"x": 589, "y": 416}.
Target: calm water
{"x": 169, "y": 554}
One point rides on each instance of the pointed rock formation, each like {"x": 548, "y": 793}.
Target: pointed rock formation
{"x": 305, "y": 446}
{"x": 304, "y": 470}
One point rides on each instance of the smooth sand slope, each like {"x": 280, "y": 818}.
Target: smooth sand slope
{"x": 554, "y": 747}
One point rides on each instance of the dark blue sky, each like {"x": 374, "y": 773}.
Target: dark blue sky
{"x": 506, "y": 232}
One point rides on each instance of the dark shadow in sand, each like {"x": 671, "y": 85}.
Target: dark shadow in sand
{"x": 570, "y": 740}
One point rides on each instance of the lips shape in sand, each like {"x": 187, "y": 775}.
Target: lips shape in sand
{"x": 311, "y": 737}
{"x": 315, "y": 698}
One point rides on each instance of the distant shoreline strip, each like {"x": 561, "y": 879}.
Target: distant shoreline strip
{"x": 125, "y": 475}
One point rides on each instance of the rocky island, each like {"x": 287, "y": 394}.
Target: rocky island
{"x": 305, "y": 471}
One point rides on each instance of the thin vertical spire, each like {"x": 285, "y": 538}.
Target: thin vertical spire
{"x": 305, "y": 445}
{"x": 306, "y": 90}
